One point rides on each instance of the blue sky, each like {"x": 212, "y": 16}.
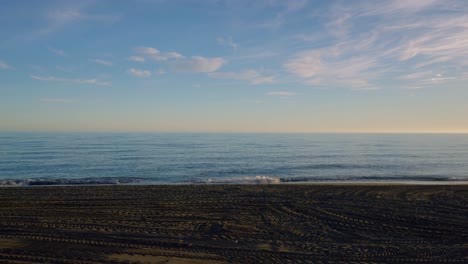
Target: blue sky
{"x": 236, "y": 66}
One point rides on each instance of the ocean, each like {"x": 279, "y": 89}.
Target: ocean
{"x": 229, "y": 158}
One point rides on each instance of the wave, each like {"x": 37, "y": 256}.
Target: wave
{"x": 81, "y": 181}
{"x": 239, "y": 180}
{"x": 233, "y": 180}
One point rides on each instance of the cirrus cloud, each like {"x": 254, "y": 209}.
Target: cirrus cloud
{"x": 407, "y": 43}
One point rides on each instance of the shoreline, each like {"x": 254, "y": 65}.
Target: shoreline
{"x": 342, "y": 183}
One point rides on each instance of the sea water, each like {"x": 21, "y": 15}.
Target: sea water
{"x": 208, "y": 158}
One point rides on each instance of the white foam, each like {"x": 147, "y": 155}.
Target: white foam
{"x": 243, "y": 180}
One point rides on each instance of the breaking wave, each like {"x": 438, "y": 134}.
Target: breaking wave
{"x": 234, "y": 180}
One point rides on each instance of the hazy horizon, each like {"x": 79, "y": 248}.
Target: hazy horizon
{"x": 225, "y": 66}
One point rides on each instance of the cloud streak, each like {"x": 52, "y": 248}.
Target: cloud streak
{"x": 227, "y": 42}
{"x": 58, "y": 52}
{"x": 60, "y": 18}
{"x": 136, "y": 58}
{"x": 252, "y": 76}
{"x": 177, "y": 61}
{"x": 199, "y": 64}
{"x": 68, "y": 80}
{"x": 139, "y": 73}
{"x": 102, "y": 62}
{"x": 155, "y": 54}
{"x": 55, "y": 100}
{"x": 281, "y": 93}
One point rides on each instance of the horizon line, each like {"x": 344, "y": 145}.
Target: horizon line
{"x": 233, "y": 132}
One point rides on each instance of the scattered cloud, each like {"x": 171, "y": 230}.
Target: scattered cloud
{"x": 55, "y": 100}
{"x": 281, "y": 93}
{"x": 58, "y": 52}
{"x": 227, "y": 42}
{"x": 68, "y": 80}
{"x": 136, "y": 58}
{"x": 4, "y": 66}
{"x": 161, "y": 71}
{"x": 155, "y": 54}
{"x": 252, "y": 76}
{"x": 139, "y": 73}
{"x": 102, "y": 62}
{"x": 199, "y": 64}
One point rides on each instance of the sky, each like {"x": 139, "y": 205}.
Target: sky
{"x": 234, "y": 66}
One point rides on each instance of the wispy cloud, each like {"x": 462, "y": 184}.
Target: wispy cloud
{"x": 102, "y": 62}
{"x": 199, "y": 64}
{"x": 64, "y": 69}
{"x": 139, "y": 73}
{"x": 439, "y": 79}
{"x": 59, "y": 18}
{"x": 281, "y": 93}
{"x": 136, "y": 58}
{"x": 68, "y": 80}
{"x": 287, "y": 7}
{"x": 155, "y": 54}
{"x": 57, "y": 52}
{"x": 4, "y": 66}
{"x": 227, "y": 41}
{"x": 252, "y": 76}
{"x": 178, "y": 61}
{"x": 55, "y": 100}
{"x": 416, "y": 75}
{"x": 409, "y": 39}
{"x": 396, "y": 6}
{"x": 326, "y": 68}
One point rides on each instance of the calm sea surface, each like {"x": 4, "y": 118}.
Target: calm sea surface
{"x": 176, "y": 158}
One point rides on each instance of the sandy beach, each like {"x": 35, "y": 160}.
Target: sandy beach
{"x": 323, "y": 223}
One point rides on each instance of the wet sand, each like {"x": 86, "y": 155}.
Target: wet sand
{"x": 323, "y": 223}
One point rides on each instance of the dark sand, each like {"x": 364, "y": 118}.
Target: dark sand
{"x": 238, "y": 224}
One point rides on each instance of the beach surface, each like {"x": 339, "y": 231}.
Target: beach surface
{"x": 286, "y": 223}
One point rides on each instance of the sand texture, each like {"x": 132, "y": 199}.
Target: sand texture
{"x": 235, "y": 224}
